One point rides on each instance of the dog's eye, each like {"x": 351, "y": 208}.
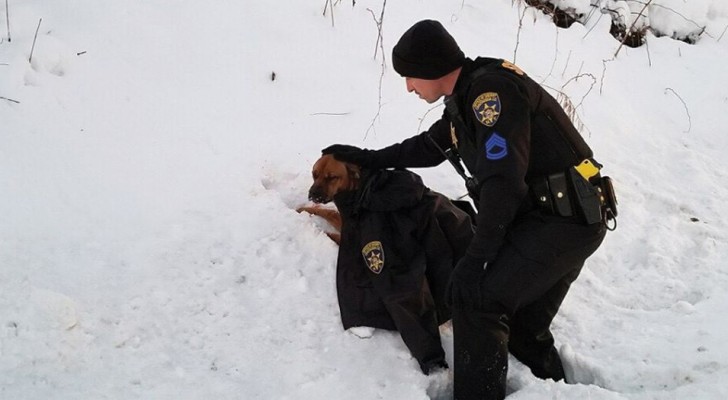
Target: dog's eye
{"x": 331, "y": 178}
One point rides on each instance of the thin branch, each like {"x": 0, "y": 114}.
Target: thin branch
{"x": 631, "y": 28}
{"x": 518, "y": 35}
{"x": 380, "y": 42}
{"x": 576, "y": 78}
{"x": 567, "y": 64}
{"x": 593, "y": 26}
{"x": 690, "y": 121}
{"x": 556, "y": 52}
{"x": 10, "y": 100}
{"x": 30, "y": 59}
{"x": 647, "y": 48}
{"x": 419, "y": 126}
{"x": 329, "y": 113}
{"x": 568, "y": 106}
{"x": 7, "y": 19}
{"x": 604, "y": 73}
{"x": 675, "y": 12}
{"x": 721, "y": 35}
{"x": 330, "y": 4}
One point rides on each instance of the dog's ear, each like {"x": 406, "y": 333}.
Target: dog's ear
{"x": 353, "y": 170}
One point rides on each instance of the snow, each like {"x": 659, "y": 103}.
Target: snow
{"x": 149, "y": 174}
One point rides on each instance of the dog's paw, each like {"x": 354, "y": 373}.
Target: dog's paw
{"x": 362, "y": 332}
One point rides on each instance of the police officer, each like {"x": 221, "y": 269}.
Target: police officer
{"x": 537, "y": 217}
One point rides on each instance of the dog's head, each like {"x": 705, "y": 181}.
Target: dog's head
{"x": 331, "y": 176}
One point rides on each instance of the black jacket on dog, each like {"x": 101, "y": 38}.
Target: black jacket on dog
{"x": 399, "y": 244}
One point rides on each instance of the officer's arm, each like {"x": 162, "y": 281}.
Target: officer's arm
{"x": 418, "y": 151}
{"x": 503, "y": 144}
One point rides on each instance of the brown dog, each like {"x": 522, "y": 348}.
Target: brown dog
{"x": 331, "y": 176}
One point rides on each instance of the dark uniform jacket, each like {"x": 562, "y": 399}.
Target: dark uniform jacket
{"x": 511, "y": 133}
{"x": 399, "y": 244}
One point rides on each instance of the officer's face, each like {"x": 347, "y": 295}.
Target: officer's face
{"x": 428, "y": 90}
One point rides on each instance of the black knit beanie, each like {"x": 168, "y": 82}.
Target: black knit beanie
{"x": 426, "y": 51}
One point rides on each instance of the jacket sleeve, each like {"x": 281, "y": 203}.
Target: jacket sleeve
{"x": 499, "y": 113}
{"x": 418, "y": 151}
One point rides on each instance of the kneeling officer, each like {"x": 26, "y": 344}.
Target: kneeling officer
{"x": 537, "y": 189}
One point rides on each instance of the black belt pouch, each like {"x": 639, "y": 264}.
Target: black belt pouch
{"x": 586, "y": 198}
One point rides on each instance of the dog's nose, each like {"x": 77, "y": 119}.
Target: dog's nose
{"x": 316, "y": 195}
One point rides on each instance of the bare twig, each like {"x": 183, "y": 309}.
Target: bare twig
{"x": 30, "y": 59}
{"x": 567, "y": 64}
{"x": 690, "y": 121}
{"x": 419, "y": 126}
{"x": 677, "y": 13}
{"x": 626, "y": 35}
{"x": 568, "y": 106}
{"x": 329, "y": 113}
{"x": 721, "y": 35}
{"x": 593, "y": 26}
{"x": 604, "y": 73}
{"x": 330, "y": 4}
{"x": 647, "y": 48}
{"x": 576, "y": 78}
{"x": 518, "y": 35}
{"x": 556, "y": 51}
{"x": 7, "y": 19}
{"x": 10, "y": 100}
{"x": 380, "y": 42}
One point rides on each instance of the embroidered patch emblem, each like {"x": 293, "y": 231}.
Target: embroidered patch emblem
{"x": 513, "y": 67}
{"x": 374, "y": 256}
{"x": 496, "y": 147}
{"x": 487, "y": 108}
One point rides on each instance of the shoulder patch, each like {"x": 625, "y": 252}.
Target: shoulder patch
{"x": 373, "y": 254}
{"x": 513, "y": 67}
{"x": 487, "y": 108}
{"x": 496, "y": 147}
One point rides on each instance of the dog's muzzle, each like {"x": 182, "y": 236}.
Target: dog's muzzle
{"x": 317, "y": 195}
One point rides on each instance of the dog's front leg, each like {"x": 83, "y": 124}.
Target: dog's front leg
{"x": 331, "y": 216}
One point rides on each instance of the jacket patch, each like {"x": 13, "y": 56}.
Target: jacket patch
{"x": 487, "y": 108}
{"x": 496, "y": 147}
{"x": 374, "y": 256}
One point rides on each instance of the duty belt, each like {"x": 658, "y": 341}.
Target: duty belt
{"x": 578, "y": 192}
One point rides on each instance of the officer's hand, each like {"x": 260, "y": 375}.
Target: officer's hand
{"x": 464, "y": 288}
{"x": 351, "y": 154}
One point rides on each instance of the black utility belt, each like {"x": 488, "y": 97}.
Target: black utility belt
{"x": 569, "y": 194}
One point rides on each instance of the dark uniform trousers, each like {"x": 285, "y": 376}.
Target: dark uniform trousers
{"x": 520, "y": 293}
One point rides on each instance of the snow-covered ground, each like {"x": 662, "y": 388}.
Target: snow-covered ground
{"x": 150, "y": 167}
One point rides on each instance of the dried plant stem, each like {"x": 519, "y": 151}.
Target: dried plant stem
{"x": 30, "y": 59}
{"x": 7, "y": 19}
{"x": 721, "y": 35}
{"x": 330, "y": 5}
{"x": 419, "y": 126}
{"x": 380, "y": 46}
{"x": 690, "y": 121}
{"x": 330, "y": 113}
{"x": 518, "y": 35}
{"x": 626, "y": 34}
{"x": 10, "y": 100}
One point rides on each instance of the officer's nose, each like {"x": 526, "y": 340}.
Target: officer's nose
{"x": 408, "y": 82}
